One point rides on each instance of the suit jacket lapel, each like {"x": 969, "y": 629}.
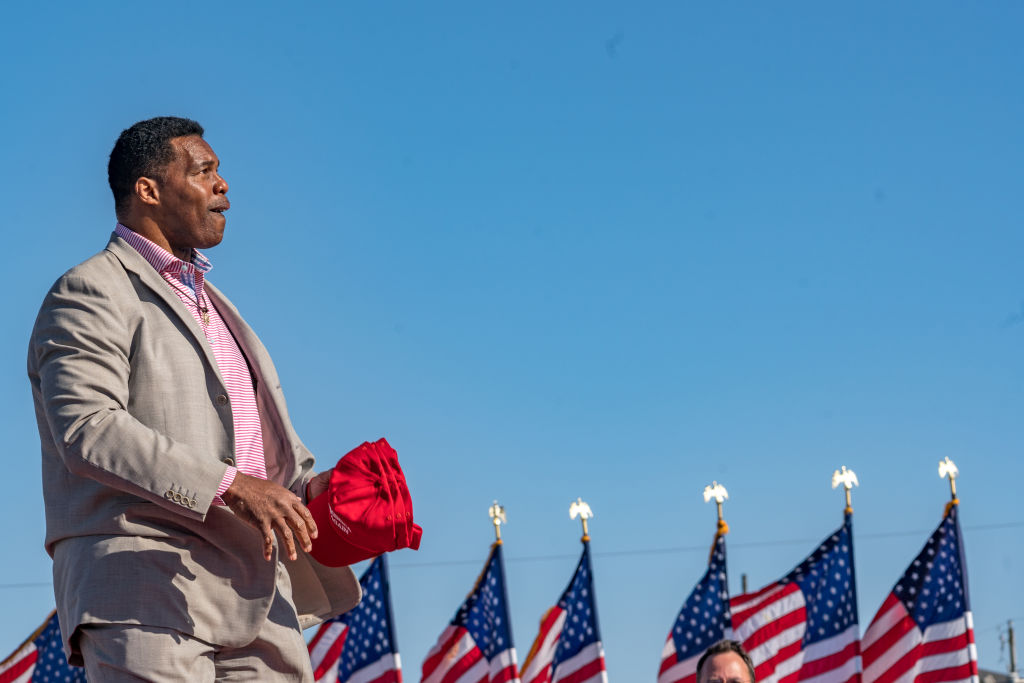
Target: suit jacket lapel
{"x": 134, "y": 262}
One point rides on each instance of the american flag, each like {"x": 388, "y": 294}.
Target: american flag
{"x": 703, "y": 621}
{"x": 568, "y": 647}
{"x": 924, "y": 632}
{"x": 476, "y": 647}
{"x": 804, "y": 626}
{"x": 41, "y": 659}
{"x": 359, "y": 646}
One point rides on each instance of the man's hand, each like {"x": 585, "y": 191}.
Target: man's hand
{"x": 271, "y": 508}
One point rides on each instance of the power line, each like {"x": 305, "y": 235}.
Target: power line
{"x": 643, "y": 551}
{"x": 694, "y": 548}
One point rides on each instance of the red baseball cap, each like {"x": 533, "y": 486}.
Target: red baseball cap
{"x": 407, "y": 534}
{"x": 366, "y": 510}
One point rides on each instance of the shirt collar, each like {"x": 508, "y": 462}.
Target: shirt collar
{"x": 161, "y": 259}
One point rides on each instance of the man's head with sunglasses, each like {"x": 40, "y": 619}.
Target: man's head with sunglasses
{"x": 725, "y": 662}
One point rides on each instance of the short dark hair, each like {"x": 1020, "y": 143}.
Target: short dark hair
{"x": 144, "y": 150}
{"x": 722, "y": 647}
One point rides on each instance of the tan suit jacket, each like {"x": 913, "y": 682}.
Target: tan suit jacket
{"x": 136, "y": 435}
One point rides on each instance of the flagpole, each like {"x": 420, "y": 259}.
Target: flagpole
{"x": 847, "y": 479}
{"x": 948, "y": 468}
{"x": 497, "y": 514}
{"x": 582, "y": 510}
{"x": 719, "y": 494}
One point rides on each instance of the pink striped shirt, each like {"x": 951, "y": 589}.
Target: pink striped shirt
{"x": 186, "y": 279}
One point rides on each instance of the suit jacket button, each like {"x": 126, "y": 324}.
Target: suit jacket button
{"x": 228, "y": 461}
{"x": 177, "y": 497}
{"x": 168, "y": 494}
{"x": 222, "y": 400}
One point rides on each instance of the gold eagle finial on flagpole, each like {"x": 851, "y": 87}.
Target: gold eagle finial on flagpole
{"x": 948, "y": 468}
{"x": 719, "y": 494}
{"x": 847, "y": 479}
{"x": 497, "y": 513}
{"x": 580, "y": 509}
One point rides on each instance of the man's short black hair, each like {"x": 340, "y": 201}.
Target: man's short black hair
{"x": 144, "y": 150}
{"x": 721, "y": 647}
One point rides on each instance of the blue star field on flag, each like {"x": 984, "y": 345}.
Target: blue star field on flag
{"x": 370, "y": 635}
{"x": 705, "y": 617}
{"x": 826, "y": 580}
{"x": 476, "y": 645}
{"x": 580, "y": 628}
{"x": 484, "y": 613}
{"x": 52, "y": 664}
{"x": 934, "y": 588}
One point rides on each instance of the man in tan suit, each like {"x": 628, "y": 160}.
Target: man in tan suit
{"x": 174, "y": 483}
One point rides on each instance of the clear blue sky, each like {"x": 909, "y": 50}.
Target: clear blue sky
{"x": 579, "y": 250}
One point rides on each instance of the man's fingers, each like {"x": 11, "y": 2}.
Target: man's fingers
{"x": 268, "y": 540}
{"x": 285, "y": 534}
{"x": 310, "y": 522}
{"x": 298, "y": 524}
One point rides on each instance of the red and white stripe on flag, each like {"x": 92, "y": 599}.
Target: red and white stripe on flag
{"x": 896, "y": 650}
{"x": 18, "y": 668}
{"x": 455, "y": 658}
{"x": 537, "y": 668}
{"x": 587, "y": 666}
{"x": 684, "y": 671}
{"x": 771, "y": 624}
{"x": 325, "y": 649}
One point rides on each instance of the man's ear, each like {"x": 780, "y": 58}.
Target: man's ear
{"x": 147, "y": 190}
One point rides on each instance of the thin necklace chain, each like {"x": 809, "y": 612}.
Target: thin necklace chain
{"x": 204, "y": 311}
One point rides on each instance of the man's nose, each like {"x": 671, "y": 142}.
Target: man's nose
{"x": 220, "y": 186}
